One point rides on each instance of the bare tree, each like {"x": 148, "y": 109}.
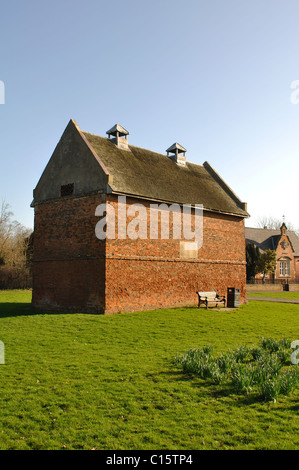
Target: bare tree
{"x": 13, "y": 238}
{"x": 274, "y": 224}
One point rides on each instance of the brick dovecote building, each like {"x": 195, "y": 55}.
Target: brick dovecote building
{"x": 76, "y": 271}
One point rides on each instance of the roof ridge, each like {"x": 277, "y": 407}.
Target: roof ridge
{"x": 152, "y": 174}
{"x": 141, "y": 148}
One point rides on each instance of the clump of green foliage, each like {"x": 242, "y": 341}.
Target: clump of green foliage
{"x": 264, "y": 370}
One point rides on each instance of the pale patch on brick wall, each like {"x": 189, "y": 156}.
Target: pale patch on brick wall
{"x": 188, "y": 250}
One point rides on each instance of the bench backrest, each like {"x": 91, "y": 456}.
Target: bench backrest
{"x": 211, "y": 294}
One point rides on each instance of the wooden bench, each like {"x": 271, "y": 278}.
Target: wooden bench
{"x": 212, "y": 296}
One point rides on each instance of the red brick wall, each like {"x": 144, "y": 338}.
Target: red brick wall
{"x": 68, "y": 259}
{"x": 296, "y": 263}
{"x": 144, "y": 285}
{"x": 286, "y": 252}
{"x": 69, "y": 286}
{"x": 148, "y": 274}
{"x": 71, "y": 264}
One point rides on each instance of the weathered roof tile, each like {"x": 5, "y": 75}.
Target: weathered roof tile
{"x": 148, "y": 174}
{"x": 268, "y": 239}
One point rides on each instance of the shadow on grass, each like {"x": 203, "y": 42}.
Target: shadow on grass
{"x": 17, "y": 309}
{"x": 14, "y": 309}
{"x": 213, "y": 390}
{"x": 295, "y": 408}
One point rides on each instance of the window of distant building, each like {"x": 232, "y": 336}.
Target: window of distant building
{"x": 284, "y": 269}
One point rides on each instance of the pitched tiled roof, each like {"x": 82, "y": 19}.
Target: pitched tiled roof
{"x": 268, "y": 239}
{"x": 98, "y": 164}
{"x": 148, "y": 174}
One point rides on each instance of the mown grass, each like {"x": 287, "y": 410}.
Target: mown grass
{"x": 80, "y": 381}
{"x": 265, "y": 371}
{"x": 277, "y": 295}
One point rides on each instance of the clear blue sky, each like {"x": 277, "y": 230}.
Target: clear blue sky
{"x": 213, "y": 75}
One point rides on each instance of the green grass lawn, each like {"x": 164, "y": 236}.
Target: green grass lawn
{"x": 279, "y": 295}
{"x": 81, "y": 381}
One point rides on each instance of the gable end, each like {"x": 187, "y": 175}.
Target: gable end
{"x": 74, "y": 169}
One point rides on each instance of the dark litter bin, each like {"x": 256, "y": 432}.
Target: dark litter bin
{"x": 233, "y": 297}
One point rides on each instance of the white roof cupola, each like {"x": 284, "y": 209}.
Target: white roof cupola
{"x": 178, "y": 154}
{"x": 120, "y": 136}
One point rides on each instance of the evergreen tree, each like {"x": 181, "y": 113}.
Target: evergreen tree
{"x": 252, "y": 257}
{"x": 266, "y": 263}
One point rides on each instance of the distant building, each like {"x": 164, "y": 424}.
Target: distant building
{"x": 74, "y": 270}
{"x": 286, "y": 245}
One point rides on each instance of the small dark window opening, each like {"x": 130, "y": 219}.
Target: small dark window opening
{"x": 67, "y": 189}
